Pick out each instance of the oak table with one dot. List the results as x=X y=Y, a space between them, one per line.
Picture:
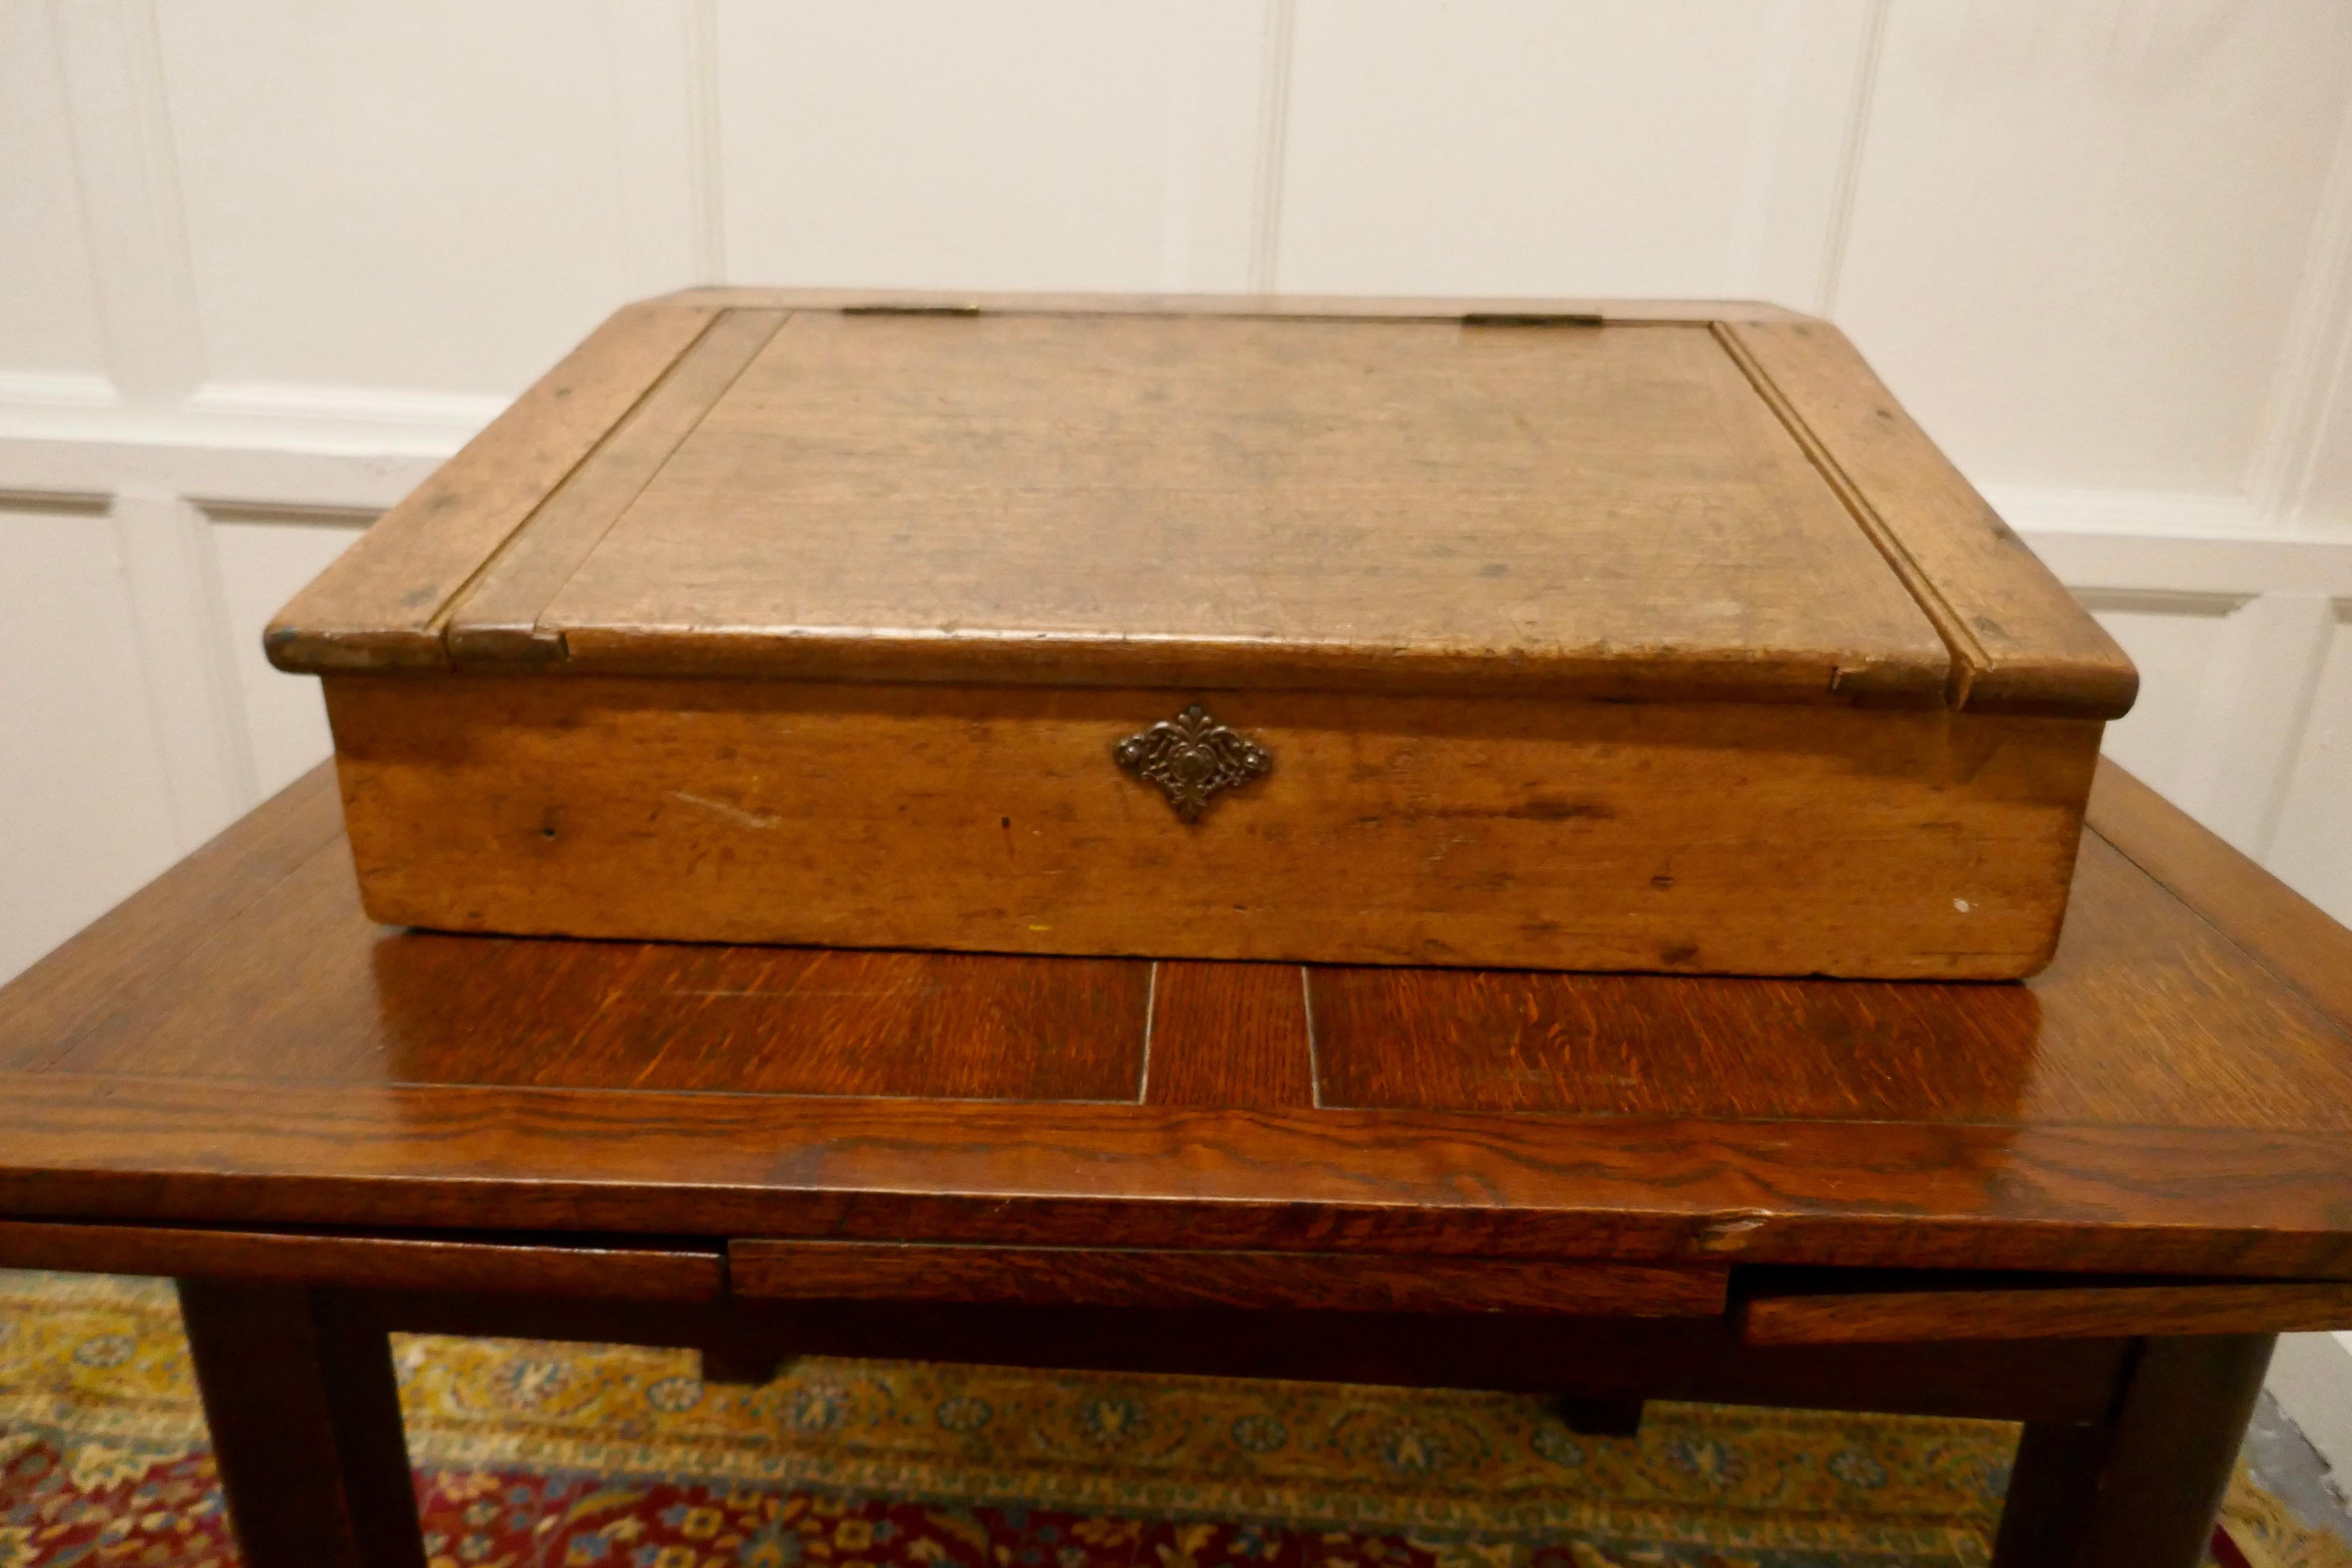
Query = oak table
x=2085 y=1202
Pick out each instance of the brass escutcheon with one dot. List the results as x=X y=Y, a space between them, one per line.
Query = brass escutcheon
x=1193 y=757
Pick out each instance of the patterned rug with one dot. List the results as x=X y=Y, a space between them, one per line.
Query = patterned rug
x=545 y=1455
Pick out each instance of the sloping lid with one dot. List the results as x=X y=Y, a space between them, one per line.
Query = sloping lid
x=1628 y=511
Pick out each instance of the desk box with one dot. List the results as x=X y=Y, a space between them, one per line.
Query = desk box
x=1645 y=636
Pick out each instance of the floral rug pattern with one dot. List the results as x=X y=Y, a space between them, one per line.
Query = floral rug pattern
x=532 y=1454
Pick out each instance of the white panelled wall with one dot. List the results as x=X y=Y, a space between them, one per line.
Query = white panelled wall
x=263 y=261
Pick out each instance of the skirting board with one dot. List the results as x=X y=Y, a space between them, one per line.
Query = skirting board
x=2311 y=1377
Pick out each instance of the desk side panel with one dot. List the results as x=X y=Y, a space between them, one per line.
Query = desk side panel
x=1734 y=838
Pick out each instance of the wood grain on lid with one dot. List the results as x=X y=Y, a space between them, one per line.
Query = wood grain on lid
x=1692 y=502
x=2020 y=643
x=496 y=619
x=1274 y=502
x=381 y=605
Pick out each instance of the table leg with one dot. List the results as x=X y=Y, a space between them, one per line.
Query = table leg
x=2050 y=1489
x=1598 y=1417
x=300 y=1397
x=2142 y=1490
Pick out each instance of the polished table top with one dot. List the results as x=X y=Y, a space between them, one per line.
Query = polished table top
x=239 y=1045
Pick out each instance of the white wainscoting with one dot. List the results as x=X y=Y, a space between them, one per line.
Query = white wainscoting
x=88 y=802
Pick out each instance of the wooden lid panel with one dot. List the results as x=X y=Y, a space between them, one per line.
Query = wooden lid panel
x=383 y=603
x=1693 y=501
x=1269 y=503
x=497 y=621
x=2020 y=643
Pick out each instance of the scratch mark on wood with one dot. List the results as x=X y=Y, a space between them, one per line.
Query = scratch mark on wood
x=732 y=813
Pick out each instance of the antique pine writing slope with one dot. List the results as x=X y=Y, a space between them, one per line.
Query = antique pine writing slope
x=1630 y=636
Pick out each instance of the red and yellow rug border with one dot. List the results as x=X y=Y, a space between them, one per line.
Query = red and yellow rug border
x=526 y=1448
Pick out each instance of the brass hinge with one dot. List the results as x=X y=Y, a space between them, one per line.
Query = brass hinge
x=910 y=310
x=1530 y=319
